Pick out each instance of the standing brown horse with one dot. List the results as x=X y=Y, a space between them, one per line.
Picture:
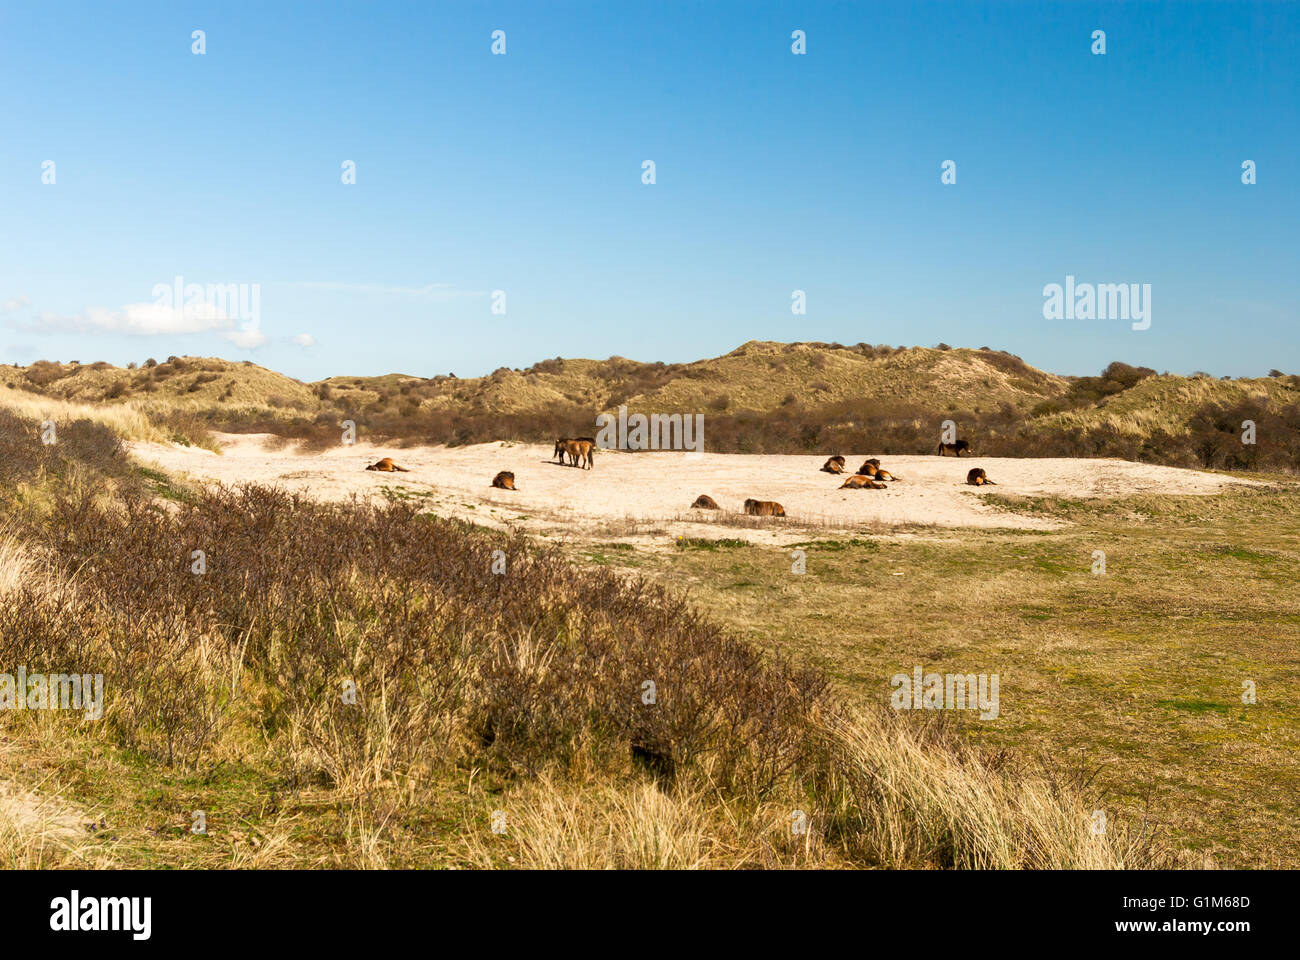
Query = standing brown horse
x=579 y=449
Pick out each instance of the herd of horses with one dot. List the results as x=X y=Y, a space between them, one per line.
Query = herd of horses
x=870 y=476
x=581 y=452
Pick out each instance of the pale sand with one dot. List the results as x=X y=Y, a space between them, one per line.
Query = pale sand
x=648 y=495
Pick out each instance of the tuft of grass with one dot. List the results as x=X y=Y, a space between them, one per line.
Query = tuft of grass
x=699 y=543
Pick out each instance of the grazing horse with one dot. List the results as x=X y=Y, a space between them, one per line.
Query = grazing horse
x=581 y=451
x=387 y=466
x=954 y=448
x=705 y=502
x=764 y=508
x=834 y=465
x=977 y=477
x=505 y=480
x=860 y=481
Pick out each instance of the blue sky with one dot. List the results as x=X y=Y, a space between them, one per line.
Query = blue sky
x=523 y=173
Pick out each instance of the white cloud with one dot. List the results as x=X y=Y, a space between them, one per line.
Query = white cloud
x=303 y=340
x=15 y=303
x=152 y=320
x=141 y=320
x=246 y=338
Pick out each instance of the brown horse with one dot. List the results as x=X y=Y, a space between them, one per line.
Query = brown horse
x=505 y=480
x=860 y=481
x=581 y=451
x=978 y=478
x=869 y=468
x=705 y=502
x=955 y=449
x=387 y=466
x=834 y=465
x=764 y=508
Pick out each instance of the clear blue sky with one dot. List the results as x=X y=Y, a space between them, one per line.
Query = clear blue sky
x=775 y=172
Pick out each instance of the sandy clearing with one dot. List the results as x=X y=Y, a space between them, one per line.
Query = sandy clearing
x=634 y=495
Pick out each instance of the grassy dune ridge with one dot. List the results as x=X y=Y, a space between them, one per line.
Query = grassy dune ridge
x=760 y=398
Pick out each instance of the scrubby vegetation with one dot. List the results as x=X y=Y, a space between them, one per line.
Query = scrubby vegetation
x=1140 y=668
x=760 y=398
x=343 y=669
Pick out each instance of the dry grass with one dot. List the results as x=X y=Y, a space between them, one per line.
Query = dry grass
x=36 y=832
x=893 y=794
x=126 y=420
x=131 y=420
x=554 y=826
x=537 y=679
x=934 y=801
x=227 y=696
x=39 y=829
x=1136 y=675
x=15 y=565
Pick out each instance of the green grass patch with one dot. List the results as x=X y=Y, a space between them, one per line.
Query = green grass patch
x=702 y=543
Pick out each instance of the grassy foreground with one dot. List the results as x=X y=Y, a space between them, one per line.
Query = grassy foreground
x=1136 y=674
x=346 y=685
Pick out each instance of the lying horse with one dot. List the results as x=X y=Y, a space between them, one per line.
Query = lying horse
x=764 y=508
x=978 y=478
x=387 y=466
x=505 y=480
x=860 y=481
x=834 y=465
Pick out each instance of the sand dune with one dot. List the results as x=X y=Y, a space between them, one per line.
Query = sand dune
x=632 y=494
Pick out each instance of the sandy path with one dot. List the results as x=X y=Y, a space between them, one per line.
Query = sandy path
x=631 y=495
